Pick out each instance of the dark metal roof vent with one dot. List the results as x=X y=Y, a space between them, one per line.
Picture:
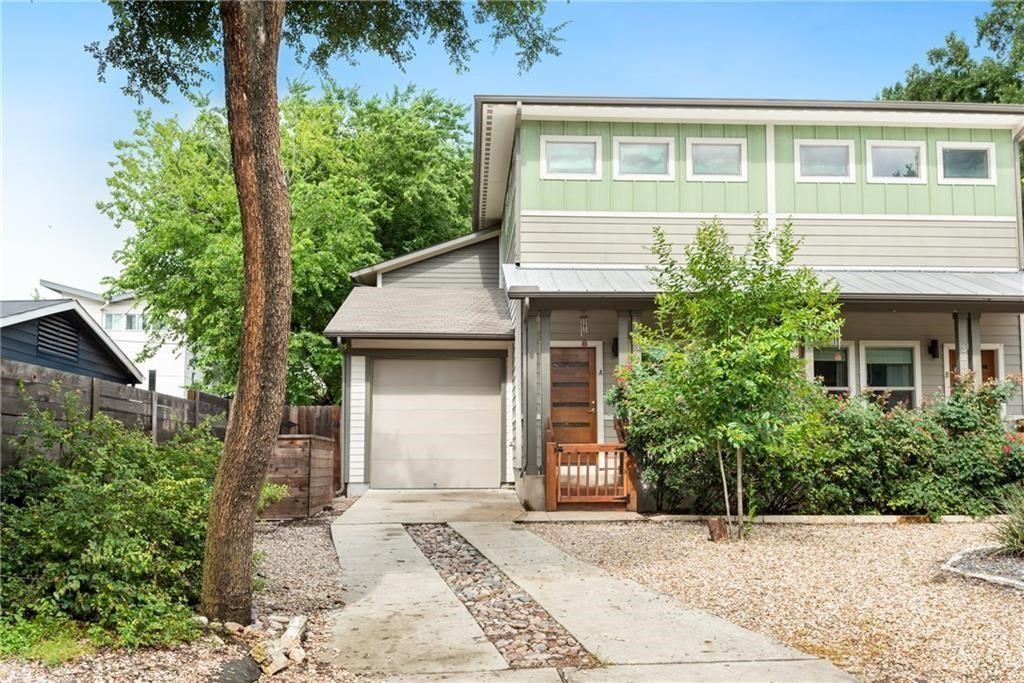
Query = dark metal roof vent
x=58 y=337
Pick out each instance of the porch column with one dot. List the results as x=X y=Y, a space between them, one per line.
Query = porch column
x=544 y=388
x=537 y=388
x=625 y=336
x=967 y=336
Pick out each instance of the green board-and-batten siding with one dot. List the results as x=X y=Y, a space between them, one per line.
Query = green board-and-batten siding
x=606 y=194
x=680 y=195
x=861 y=197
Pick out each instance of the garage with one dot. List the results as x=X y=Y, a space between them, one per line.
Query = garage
x=436 y=423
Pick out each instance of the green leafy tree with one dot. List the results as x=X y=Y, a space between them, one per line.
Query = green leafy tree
x=954 y=75
x=717 y=371
x=367 y=177
x=173 y=45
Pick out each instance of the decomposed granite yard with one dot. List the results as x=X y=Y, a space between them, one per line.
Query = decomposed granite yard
x=870 y=598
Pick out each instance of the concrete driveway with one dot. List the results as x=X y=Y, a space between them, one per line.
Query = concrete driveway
x=401 y=618
x=379 y=506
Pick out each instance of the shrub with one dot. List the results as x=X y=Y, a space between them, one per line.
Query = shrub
x=103 y=528
x=852 y=455
x=1009 y=532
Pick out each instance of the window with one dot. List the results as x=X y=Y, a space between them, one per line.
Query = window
x=967 y=163
x=570 y=157
x=113 y=321
x=833 y=367
x=824 y=161
x=644 y=159
x=135 y=322
x=896 y=161
x=716 y=159
x=893 y=367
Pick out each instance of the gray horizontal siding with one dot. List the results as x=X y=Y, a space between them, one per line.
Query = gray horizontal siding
x=471 y=267
x=996 y=328
x=861 y=242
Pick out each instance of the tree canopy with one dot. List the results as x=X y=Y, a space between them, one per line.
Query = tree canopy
x=369 y=178
x=953 y=74
x=162 y=45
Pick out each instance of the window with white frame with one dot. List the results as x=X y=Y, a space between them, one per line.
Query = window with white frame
x=716 y=159
x=892 y=368
x=833 y=367
x=570 y=157
x=967 y=163
x=135 y=322
x=897 y=161
x=824 y=161
x=113 y=321
x=637 y=158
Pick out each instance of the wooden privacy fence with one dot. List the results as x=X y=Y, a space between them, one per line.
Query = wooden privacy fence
x=303 y=463
x=322 y=421
x=158 y=414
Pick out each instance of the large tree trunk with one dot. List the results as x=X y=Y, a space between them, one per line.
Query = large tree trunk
x=252 y=35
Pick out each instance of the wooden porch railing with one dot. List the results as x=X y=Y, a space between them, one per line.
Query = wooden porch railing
x=594 y=475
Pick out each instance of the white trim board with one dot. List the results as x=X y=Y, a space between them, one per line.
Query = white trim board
x=598 y=380
x=547 y=213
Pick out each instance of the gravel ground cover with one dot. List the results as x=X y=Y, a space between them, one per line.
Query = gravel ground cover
x=989 y=562
x=870 y=598
x=522 y=631
x=299 y=568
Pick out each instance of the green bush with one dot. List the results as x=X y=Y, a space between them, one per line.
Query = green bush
x=103 y=528
x=1009 y=533
x=842 y=456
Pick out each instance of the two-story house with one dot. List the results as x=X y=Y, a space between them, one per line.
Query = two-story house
x=123 y=319
x=459 y=356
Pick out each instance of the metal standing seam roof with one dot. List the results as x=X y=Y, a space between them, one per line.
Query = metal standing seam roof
x=920 y=285
x=422 y=313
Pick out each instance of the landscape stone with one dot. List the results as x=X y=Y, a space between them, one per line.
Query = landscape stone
x=244 y=670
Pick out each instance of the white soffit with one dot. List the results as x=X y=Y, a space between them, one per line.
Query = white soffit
x=747 y=115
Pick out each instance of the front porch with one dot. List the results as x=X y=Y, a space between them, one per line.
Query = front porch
x=570 y=456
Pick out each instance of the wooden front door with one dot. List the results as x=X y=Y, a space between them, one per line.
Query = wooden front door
x=574 y=394
x=988 y=365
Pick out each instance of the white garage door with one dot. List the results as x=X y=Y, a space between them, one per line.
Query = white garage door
x=436 y=423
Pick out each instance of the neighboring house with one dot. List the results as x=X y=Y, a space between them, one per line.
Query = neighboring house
x=457 y=356
x=59 y=334
x=123 y=319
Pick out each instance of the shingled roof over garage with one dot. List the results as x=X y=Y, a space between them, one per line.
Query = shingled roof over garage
x=435 y=313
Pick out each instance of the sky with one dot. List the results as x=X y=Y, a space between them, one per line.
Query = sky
x=58 y=124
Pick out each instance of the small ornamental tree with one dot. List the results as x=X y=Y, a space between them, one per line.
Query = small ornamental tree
x=718 y=370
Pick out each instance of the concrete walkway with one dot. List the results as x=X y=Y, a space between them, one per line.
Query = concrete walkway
x=402 y=619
